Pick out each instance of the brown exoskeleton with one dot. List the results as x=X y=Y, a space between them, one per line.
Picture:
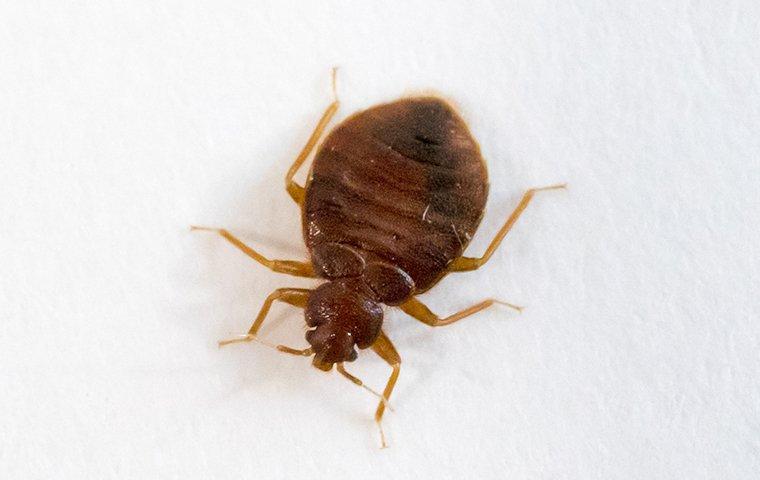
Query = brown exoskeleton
x=394 y=195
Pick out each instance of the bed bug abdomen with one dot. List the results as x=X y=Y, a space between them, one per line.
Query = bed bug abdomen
x=404 y=182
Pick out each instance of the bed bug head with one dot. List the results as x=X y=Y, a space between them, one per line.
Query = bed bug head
x=342 y=315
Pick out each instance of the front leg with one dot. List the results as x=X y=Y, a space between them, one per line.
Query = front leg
x=385 y=349
x=298 y=297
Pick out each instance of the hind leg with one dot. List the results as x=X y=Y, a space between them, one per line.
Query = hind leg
x=464 y=264
x=295 y=190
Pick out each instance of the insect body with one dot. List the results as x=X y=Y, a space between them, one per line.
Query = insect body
x=394 y=196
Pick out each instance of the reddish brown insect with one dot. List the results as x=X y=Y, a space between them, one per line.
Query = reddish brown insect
x=394 y=196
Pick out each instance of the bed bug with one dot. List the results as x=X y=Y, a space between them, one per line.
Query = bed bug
x=393 y=197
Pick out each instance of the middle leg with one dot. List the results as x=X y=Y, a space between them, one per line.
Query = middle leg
x=291 y=267
x=421 y=312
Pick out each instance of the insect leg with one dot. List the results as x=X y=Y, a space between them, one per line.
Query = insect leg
x=419 y=311
x=385 y=349
x=291 y=267
x=295 y=190
x=293 y=296
x=464 y=264
x=356 y=381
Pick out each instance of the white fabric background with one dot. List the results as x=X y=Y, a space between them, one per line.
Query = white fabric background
x=121 y=123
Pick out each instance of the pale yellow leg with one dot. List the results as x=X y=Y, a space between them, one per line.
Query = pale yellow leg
x=295 y=190
x=463 y=264
x=421 y=312
x=356 y=381
x=291 y=267
x=385 y=349
x=298 y=297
